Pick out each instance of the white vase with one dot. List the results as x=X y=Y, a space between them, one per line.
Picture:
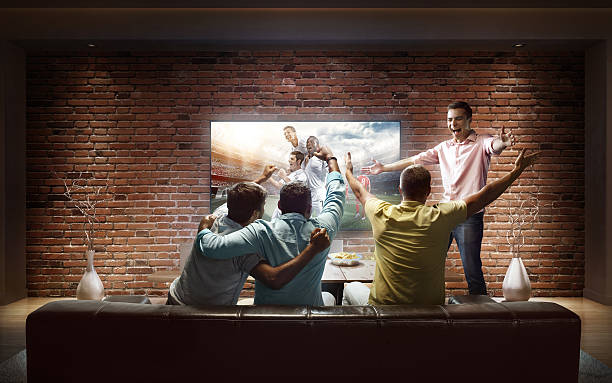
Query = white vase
x=516 y=286
x=90 y=287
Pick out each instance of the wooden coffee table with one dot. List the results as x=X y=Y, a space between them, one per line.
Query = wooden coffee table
x=334 y=277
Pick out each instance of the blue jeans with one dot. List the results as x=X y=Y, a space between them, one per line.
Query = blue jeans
x=469 y=238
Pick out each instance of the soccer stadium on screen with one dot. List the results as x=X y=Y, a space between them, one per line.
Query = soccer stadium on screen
x=241 y=150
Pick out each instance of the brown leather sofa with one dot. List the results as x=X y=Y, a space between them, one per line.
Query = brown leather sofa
x=90 y=341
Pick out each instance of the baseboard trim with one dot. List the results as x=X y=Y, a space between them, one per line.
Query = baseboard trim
x=597 y=297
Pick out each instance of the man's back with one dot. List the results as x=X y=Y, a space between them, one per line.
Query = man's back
x=207 y=281
x=284 y=238
x=411 y=243
x=280 y=241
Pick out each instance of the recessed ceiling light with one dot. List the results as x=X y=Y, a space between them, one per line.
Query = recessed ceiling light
x=91 y=45
x=519 y=45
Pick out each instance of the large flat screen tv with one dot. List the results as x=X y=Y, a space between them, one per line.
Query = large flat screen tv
x=240 y=150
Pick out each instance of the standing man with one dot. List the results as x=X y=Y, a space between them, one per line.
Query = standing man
x=410 y=238
x=284 y=238
x=464 y=163
x=315 y=170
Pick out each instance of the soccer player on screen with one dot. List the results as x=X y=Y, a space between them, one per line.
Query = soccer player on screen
x=297 y=143
x=316 y=171
x=296 y=173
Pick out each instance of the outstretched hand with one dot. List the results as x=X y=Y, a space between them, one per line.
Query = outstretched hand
x=324 y=153
x=507 y=139
x=319 y=239
x=377 y=168
x=206 y=222
x=523 y=161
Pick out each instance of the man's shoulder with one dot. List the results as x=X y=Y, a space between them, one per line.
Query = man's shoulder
x=442 y=146
x=375 y=204
x=225 y=225
x=451 y=207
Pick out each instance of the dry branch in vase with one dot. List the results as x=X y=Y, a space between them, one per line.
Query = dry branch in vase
x=521 y=218
x=86 y=198
x=516 y=285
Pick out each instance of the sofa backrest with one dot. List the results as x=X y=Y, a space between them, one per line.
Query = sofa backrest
x=100 y=341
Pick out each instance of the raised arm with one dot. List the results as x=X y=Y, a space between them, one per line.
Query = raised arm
x=326 y=155
x=360 y=192
x=378 y=167
x=492 y=191
x=276 y=183
x=335 y=195
x=279 y=276
x=502 y=141
x=267 y=173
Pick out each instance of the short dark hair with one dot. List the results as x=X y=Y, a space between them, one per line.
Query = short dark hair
x=294 y=198
x=243 y=199
x=315 y=139
x=289 y=127
x=462 y=105
x=415 y=182
x=298 y=156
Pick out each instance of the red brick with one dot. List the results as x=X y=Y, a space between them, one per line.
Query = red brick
x=109 y=115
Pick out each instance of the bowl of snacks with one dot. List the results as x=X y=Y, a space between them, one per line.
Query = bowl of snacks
x=344 y=258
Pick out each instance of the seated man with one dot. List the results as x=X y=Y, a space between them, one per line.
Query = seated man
x=411 y=238
x=207 y=281
x=283 y=238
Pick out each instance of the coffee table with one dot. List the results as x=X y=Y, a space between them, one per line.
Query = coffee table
x=334 y=277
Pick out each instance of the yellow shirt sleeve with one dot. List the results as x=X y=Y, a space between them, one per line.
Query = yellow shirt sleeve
x=454 y=212
x=374 y=206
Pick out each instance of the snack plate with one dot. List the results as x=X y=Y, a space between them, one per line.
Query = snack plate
x=344 y=262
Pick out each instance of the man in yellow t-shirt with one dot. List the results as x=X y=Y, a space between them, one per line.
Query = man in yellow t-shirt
x=411 y=238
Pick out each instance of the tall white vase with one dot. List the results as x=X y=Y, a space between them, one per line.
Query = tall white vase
x=90 y=287
x=516 y=286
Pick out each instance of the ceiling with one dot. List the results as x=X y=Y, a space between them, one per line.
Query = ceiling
x=348 y=4
x=132 y=24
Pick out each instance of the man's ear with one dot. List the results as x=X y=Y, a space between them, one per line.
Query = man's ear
x=280 y=207
x=253 y=216
x=308 y=211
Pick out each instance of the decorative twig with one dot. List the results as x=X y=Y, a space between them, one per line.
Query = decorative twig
x=90 y=197
x=521 y=218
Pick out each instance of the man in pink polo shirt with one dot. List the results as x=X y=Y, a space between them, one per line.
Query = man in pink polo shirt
x=464 y=161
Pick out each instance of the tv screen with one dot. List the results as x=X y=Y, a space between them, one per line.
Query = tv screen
x=241 y=150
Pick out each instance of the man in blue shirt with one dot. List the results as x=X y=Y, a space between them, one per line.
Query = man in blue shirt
x=284 y=238
x=208 y=281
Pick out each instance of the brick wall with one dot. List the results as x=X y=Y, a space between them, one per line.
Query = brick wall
x=142 y=120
